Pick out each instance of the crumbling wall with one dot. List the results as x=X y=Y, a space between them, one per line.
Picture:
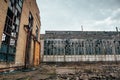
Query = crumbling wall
x=72 y=50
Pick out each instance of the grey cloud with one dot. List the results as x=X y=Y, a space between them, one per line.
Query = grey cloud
x=116 y=15
x=70 y=14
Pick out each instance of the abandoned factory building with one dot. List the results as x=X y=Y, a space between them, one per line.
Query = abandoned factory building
x=68 y=46
x=19 y=33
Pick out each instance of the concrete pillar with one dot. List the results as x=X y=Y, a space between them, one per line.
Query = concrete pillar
x=113 y=50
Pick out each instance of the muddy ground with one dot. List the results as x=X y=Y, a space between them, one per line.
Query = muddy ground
x=66 y=71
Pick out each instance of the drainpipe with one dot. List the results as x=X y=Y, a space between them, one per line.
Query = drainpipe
x=27 y=30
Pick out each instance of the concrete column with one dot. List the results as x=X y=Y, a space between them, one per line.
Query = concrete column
x=64 y=53
x=113 y=50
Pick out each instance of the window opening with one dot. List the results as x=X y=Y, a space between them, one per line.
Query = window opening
x=10 y=33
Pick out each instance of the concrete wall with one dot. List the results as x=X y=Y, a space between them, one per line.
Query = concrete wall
x=42 y=49
x=78 y=58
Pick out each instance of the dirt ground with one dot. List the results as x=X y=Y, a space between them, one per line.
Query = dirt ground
x=66 y=71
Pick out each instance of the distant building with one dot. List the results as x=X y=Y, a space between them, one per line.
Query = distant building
x=19 y=33
x=73 y=46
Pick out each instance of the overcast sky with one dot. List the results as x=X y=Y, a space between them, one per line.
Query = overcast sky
x=94 y=15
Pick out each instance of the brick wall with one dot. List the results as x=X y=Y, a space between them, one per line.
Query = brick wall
x=28 y=6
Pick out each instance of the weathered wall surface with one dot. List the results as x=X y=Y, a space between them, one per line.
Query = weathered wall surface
x=42 y=50
x=73 y=46
x=78 y=58
x=28 y=6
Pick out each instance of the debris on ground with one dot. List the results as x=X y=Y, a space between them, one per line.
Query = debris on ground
x=67 y=71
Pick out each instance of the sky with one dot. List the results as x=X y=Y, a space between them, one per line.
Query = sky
x=70 y=15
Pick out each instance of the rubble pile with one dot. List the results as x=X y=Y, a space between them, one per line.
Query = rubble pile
x=101 y=73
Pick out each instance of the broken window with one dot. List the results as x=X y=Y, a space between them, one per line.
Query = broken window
x=117 y=47
x=10 y=33
x=37 y=30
